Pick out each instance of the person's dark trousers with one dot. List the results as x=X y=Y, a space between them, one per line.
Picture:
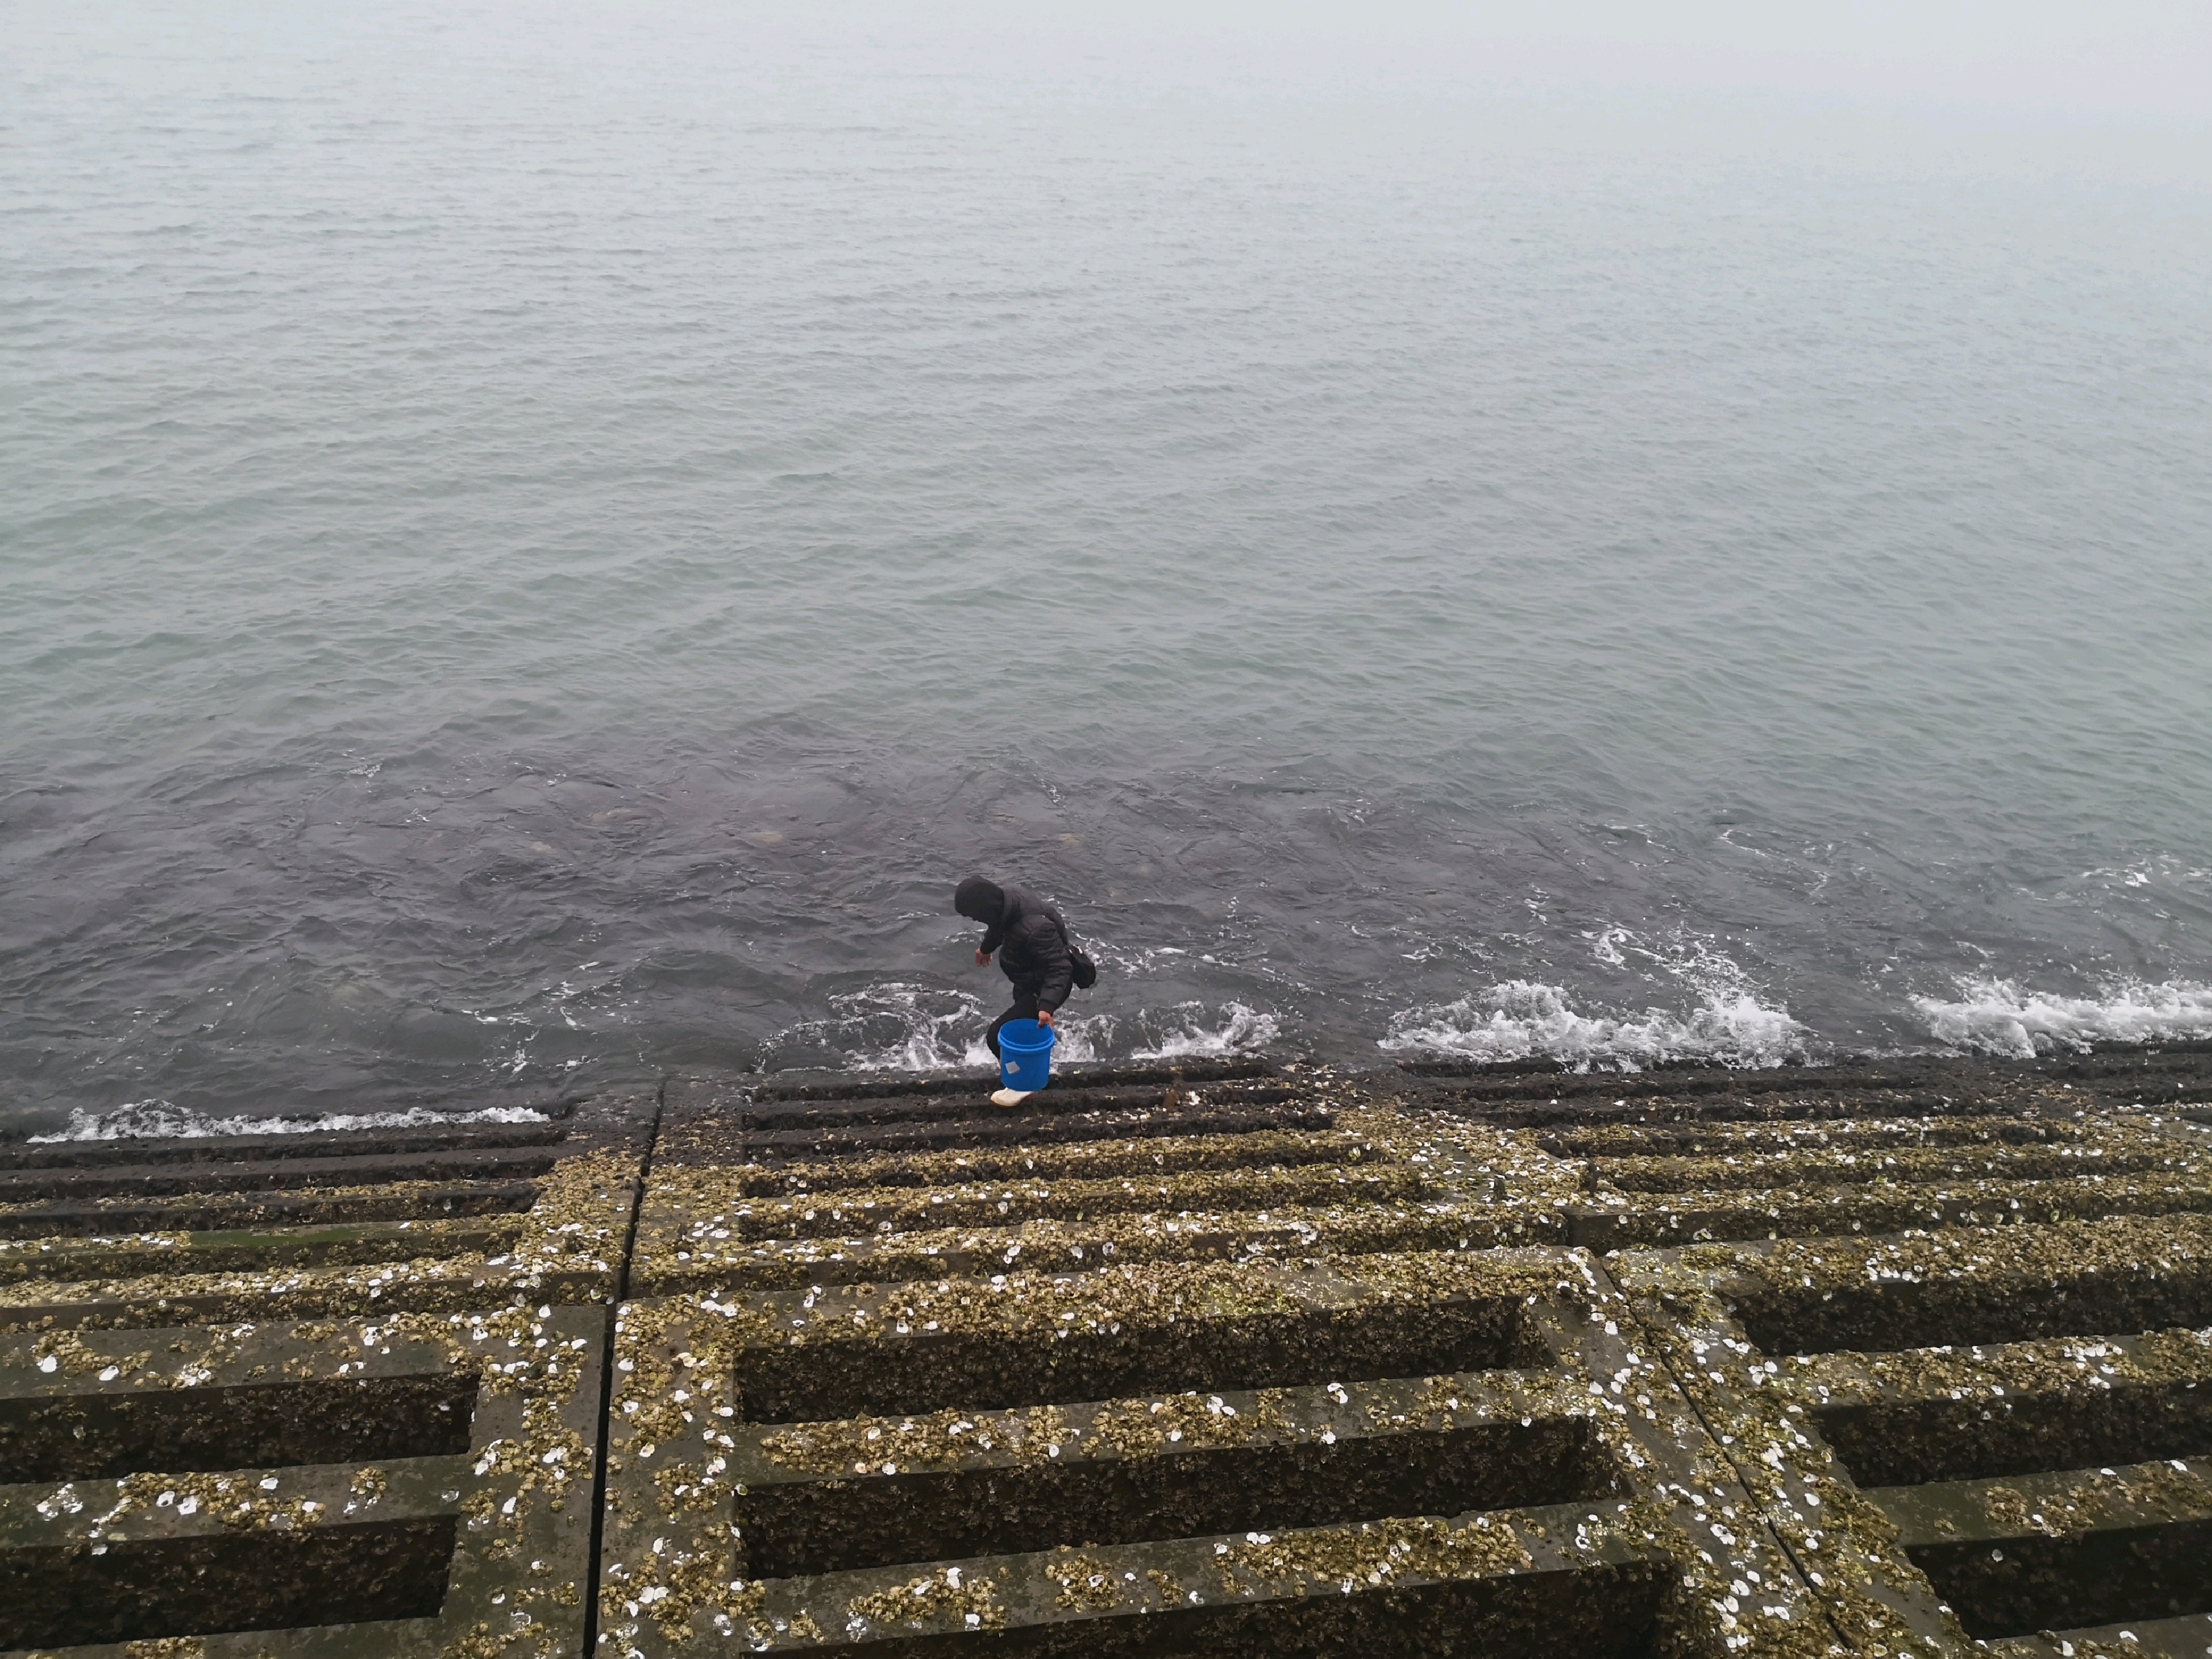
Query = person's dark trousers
x=1025 y=1007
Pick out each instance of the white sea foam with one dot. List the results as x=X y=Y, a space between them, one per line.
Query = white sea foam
x=1523 y=1020
x=152 y=1120
x=1077 y=1037
x=2001 y=1015
x=894 y=1026
x=1190 y=1031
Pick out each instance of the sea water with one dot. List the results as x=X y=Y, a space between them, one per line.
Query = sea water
x=537 y=546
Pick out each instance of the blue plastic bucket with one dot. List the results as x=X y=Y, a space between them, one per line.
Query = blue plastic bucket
x=1025 y=1054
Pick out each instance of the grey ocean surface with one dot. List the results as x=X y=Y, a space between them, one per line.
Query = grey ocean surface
x=535 y=548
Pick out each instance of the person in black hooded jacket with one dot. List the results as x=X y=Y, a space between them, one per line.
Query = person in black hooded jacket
x=1030 y=938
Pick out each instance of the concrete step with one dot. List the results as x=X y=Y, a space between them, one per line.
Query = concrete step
x=2063 y=1550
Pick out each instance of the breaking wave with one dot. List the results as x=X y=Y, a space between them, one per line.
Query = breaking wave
x=152 y=1120
x=2000 y=1017
x=896 y=1026
x=1184 y=1033
x=887 y=1027
x=1523 y=1020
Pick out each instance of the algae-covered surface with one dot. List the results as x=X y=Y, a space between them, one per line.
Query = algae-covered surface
x=684 y=1447
x=449 y=1342
x=569 y=1246
x=1974 y=1311
x=520 y=1495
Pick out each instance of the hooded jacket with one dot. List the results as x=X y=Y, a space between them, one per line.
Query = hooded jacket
x=1030 y=938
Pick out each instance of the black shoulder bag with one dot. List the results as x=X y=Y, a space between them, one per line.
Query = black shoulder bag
x=1081 y=969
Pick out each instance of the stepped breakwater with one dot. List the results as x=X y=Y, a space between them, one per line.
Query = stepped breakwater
x=1251 y=1355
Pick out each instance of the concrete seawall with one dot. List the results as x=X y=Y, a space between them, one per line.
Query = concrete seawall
x=1237 y=1358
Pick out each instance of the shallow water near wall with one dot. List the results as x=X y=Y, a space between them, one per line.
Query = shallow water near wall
x=538 y=551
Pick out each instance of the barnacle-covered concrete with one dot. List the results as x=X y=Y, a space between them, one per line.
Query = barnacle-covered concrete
x=1910 y=1358
x=1965 y=1386
x=424 y=1480
x=568 y=1245
x=343 y=1420
x=1338 y=1384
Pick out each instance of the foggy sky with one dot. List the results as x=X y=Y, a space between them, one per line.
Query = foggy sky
x=2146 y=59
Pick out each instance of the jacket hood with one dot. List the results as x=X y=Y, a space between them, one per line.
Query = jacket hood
x=980 y=900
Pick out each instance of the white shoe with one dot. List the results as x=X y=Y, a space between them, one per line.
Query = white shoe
x=1010 y=1097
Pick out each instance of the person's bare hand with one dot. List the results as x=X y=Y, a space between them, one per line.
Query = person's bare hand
x=1044 y=1015
x=982 y=958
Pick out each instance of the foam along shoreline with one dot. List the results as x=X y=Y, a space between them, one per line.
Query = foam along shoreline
x=895 y=1025
x=1523 y=1020
x=2003 y=1017
x=1731 y=1025
x=1725 y=1020
x=1521 y=1028
x=158 y=1120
